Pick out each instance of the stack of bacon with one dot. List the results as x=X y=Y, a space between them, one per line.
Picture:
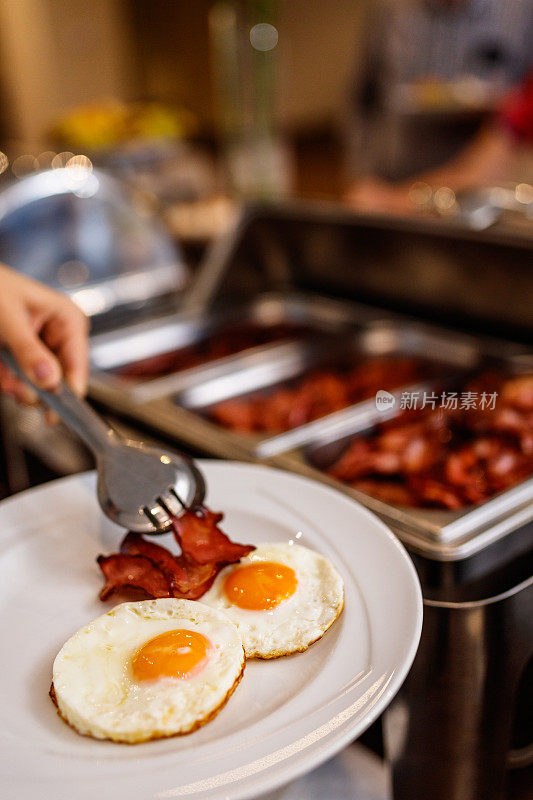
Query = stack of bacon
x=145 y=565
x=319 y=393
x=226 y=342
x=447 y=458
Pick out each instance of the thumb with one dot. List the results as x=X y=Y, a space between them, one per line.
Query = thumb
x=33 y=356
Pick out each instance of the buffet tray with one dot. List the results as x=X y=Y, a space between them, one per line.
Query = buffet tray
x=175 y=404
x=153 y=401
x=175 y=331
x=441 y=534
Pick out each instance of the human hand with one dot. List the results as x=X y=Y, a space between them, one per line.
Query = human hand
x=373 y=195
x=46 y=332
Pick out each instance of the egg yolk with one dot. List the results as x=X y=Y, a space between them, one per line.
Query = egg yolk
x=260 y=586
x=174 y=654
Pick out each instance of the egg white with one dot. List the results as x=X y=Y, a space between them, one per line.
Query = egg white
x=296 y=622
x=98 y=695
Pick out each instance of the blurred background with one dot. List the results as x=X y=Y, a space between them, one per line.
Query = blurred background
x=200 y=105
x=195 y=101
x=383 y=153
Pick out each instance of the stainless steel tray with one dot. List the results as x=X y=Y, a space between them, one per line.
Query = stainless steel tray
x=271 y=368
x=152 y=402
x=127 y=345
x=440 y=534
x=443 y=535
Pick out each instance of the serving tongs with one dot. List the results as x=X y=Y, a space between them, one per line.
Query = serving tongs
x=139 y=487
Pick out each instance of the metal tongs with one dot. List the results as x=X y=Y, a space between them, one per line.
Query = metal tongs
x=139 y=487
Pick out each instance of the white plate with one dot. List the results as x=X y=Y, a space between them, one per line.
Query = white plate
x=286 y=717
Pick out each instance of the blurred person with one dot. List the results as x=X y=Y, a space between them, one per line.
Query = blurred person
x=46 y=332
x=481 y=163
x=428 y=72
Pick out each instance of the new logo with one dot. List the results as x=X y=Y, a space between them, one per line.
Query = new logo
x=384 y=400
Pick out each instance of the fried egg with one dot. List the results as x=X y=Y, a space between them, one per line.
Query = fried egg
x=147 y=669
x=281 y=597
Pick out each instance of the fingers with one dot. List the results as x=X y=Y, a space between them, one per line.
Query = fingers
x=11 y=385
x=24 y=394
x=47 y=334
x=66 y=335
x=74 y=355
x=51 y=417
x=34 y=357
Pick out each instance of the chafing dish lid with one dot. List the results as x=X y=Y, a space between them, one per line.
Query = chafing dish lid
x=80 y=231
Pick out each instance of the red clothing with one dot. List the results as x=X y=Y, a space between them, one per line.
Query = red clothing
x=517 y=111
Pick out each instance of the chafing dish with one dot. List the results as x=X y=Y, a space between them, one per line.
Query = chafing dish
x=303 y=316
x=177 y=404
x=154 y=401
x=443 y=535
x=286 y=365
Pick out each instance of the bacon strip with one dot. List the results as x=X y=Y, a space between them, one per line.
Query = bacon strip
x=186 y=579
x=142 y=564
x=134 y=545
x=195 y=578
x=201 y=539
x=136 y=572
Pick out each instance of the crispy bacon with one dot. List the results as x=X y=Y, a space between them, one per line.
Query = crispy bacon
x=518 y=392
x=185 y=578
x=431 y=492
x=225 y=342
x=318 y=393
x=387 y=491
x=448 y=458
x=194 y=579
x=142 y=564
x=133 y=544
x=201 y=539
x=135 y=572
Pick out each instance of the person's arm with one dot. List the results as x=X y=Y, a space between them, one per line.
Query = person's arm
x=46 y=332
x=482 y=162
x=479 y=164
